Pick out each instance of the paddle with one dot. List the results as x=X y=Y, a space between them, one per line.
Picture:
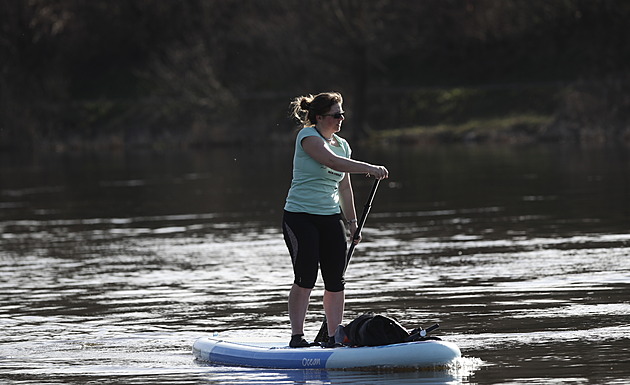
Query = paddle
x=366 y=211
x=322 y=335
x=420 y=334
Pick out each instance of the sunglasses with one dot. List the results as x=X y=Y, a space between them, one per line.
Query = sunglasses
x=337 y=115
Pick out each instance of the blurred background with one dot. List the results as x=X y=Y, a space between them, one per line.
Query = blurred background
x=159 y=74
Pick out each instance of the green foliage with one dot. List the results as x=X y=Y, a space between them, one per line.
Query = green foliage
x=225 y=69
x=514 y=129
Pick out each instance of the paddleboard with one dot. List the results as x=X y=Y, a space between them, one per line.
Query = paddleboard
x=278 y=355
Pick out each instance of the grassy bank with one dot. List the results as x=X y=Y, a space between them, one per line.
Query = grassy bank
x=590 y=113
x=519 y=129
x=595 y=113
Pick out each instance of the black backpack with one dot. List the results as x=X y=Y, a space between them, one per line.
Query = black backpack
x=372 y=329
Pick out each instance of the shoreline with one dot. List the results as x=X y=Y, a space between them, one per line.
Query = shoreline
x=508 y=131
x=581 y=113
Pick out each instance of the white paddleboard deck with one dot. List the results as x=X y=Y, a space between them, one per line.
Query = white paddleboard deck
x=419 y=354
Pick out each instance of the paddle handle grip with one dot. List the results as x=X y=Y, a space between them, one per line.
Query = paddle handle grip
x=428 y=330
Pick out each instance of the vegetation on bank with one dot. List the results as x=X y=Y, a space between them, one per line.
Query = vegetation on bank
x=203 y=73
x=584 y=113
x=523 y=129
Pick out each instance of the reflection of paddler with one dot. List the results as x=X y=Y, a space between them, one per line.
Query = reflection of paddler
x=320 y=192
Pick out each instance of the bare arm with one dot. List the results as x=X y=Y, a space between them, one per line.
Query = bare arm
x=316 y=149
x=347 y=205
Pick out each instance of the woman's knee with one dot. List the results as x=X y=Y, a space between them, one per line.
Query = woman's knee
x=335 y=285
x=305 y=282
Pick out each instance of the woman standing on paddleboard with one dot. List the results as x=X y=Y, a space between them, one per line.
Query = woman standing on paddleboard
x=313 y=224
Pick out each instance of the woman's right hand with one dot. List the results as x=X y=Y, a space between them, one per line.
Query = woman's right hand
x=379 y=172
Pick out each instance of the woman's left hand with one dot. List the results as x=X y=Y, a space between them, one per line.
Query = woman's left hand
x=353 y=229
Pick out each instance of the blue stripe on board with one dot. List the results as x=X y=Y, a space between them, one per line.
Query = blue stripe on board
x=282 y=358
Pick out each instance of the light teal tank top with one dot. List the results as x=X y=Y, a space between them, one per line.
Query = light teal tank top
x=315 y=187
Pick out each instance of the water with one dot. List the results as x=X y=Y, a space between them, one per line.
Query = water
x=111 y=265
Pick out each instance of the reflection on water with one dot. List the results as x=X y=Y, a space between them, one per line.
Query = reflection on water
x=112 y=265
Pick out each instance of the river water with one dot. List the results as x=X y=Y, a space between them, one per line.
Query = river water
x=111 y=265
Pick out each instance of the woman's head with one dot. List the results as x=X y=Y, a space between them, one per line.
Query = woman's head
x=307 y=108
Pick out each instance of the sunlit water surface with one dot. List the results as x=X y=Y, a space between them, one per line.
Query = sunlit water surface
x=112 y=265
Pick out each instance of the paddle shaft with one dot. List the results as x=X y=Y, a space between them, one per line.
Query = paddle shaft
x=366 y=211
x=322 y=335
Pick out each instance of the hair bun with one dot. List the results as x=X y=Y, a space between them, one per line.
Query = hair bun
x=305 y=104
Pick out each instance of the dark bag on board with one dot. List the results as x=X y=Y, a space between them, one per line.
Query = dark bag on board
x=372 y=329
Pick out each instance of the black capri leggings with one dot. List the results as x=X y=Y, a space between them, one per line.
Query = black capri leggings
x=316 y=240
